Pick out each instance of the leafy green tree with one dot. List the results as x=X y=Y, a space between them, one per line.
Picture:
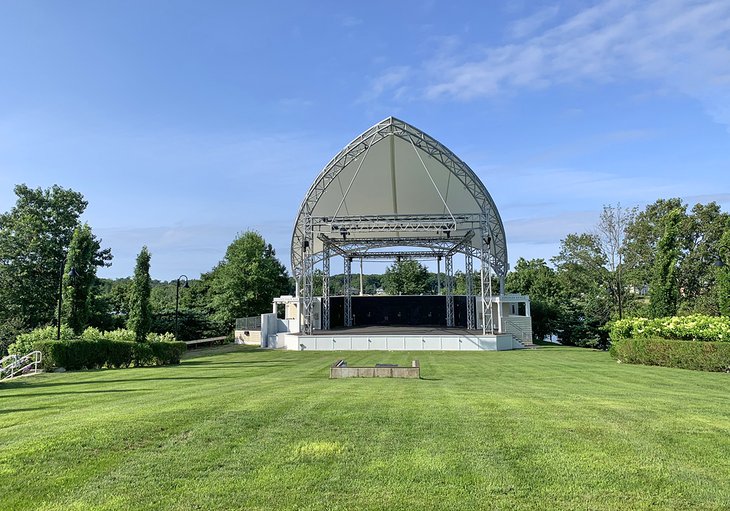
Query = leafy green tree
x=140 y=310
x=84 y=256
x=537 y=280
x=664 y=286
x=700 y=239
x=723 y=272
x=34 y=236
x=246 y=281
x=584 y=283
x=406 y=277
x=642 y=238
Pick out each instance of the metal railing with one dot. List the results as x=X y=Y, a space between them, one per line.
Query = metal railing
x=13 y=365
x=517 y=332
x=252 y=323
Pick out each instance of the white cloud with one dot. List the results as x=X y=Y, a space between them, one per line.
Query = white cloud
x=678 y=45
x=529 y=25
x=390 y=80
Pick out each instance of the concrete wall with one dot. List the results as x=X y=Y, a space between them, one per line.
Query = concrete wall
x=248 y=337
x=375 y=372
x=398 y=342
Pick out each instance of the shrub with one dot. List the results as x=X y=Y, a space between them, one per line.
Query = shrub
x=702 y=356
x=696 y=327
x=120 y=334
x=78 y=354
x=165 y=353
x=142 y=354
x=166 y=337
x=24 y=344
x=94 y=354
x=92 y=334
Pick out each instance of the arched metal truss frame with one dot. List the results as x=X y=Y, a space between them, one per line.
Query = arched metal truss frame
x=486 y=236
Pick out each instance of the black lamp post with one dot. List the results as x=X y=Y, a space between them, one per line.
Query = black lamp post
x=177 y=300
x=73 y=274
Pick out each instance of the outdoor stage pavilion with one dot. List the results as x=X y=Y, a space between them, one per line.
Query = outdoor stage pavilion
x=395 y=193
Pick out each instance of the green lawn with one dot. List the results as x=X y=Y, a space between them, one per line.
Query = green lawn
x=554 y=428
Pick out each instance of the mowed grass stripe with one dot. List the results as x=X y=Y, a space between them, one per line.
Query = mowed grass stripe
x=235 y=428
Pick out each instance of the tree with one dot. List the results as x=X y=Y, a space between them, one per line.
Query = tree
x=664 y=286
x=140 y=310
x=84 y=256
x=406 y=277
x=246 y=281
x=537 y=280
x=34 y=235
x=723 y=272
x=642 y=237
x=584 y=284
x=611 y=230
x=700 y=239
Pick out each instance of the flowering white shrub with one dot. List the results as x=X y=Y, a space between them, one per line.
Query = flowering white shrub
x=696 y=327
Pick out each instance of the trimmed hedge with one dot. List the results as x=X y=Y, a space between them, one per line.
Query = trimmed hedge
x=701 y=356
x=94 y=354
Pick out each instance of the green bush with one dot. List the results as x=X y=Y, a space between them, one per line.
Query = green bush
x=702 y=356
x=165 y=353
x=696 y=327
x=25 y=342
x=165 y=337
x=94 y=354
x=92 y=334
x=120 y=334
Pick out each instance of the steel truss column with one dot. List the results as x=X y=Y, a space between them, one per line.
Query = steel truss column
x=307 y=277
x=326 y=289
x=348 y=291
x=469 y=265
x=486 y=282
x=449 y=266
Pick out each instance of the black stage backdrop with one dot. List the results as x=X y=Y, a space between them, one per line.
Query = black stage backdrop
x=398 y=311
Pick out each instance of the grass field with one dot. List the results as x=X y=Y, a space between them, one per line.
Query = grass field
x=555 y=428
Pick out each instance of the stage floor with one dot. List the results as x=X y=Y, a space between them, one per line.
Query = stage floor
x=396 y=330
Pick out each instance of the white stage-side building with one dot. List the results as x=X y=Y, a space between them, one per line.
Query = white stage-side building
x=395 y=193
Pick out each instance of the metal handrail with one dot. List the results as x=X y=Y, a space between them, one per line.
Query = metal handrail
x=20 y=365
x=519 y=329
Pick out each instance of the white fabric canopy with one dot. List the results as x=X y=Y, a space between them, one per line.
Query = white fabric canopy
x=388 y=180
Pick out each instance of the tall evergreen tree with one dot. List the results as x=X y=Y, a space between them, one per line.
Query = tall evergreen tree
x=723 y=273
x=140 y=310
x=664 y=286
x=84 y=256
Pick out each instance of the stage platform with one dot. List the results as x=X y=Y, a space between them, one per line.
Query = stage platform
x=397 y=338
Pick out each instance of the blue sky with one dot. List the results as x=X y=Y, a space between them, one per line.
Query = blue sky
x=184 y=123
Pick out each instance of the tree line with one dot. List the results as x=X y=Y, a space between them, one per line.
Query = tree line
x=48 y=265
x=661 y=261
